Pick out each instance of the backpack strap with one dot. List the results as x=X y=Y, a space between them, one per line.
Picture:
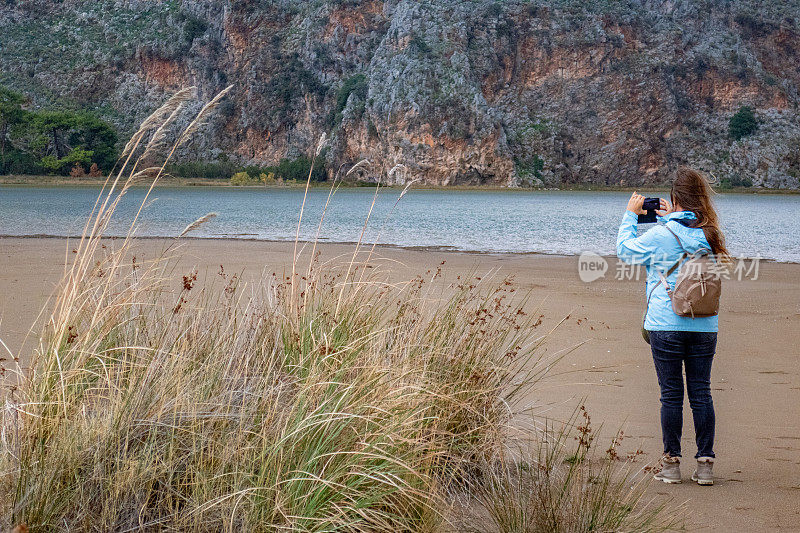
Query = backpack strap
x=676 y=238
x=671 y=269
x=664 y=277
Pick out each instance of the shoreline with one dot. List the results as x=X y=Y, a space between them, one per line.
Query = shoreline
x=413 y=248
x=58 y=181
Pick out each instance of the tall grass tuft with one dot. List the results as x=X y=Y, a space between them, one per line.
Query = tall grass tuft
x=323 y=402
x=557 y=483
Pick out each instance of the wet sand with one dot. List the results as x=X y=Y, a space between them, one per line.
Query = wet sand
x=756 y=375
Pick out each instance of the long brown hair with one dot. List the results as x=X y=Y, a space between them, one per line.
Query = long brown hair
x=692 y=192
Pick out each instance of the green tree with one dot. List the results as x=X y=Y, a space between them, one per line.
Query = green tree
x=241 y=178
x=743 y=123
x=52 y=128
x=93 y=134
x=11 y=114
x=298 y=169
x=64 y=138
x=52 y=140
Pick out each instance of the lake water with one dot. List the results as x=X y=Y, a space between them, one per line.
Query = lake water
x=488 y=221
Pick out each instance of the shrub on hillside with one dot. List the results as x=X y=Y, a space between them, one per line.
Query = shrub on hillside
x=356 y=85
x=529 y=171
x=193 y=28
x=742 y=123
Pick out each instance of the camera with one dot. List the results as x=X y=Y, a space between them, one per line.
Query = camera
x=650 y=205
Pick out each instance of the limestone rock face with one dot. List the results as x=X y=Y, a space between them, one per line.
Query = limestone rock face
x=518 y=92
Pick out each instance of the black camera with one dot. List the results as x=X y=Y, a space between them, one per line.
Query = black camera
x=650 y=205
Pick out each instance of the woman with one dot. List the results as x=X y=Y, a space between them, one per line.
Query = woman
x=678 y=341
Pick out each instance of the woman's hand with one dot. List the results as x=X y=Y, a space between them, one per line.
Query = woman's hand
x=635 y=204
x=665 y=210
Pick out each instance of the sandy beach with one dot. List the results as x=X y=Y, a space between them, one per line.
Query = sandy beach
x=756 y=376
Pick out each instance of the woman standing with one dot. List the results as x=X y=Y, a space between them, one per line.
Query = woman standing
x=690 y=224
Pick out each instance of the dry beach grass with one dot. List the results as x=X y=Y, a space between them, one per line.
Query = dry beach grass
x=330 y=399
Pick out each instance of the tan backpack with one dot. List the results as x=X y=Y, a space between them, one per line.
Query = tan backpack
x=698 y=287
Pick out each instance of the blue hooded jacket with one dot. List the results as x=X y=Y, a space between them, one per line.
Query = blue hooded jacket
x=658 y=250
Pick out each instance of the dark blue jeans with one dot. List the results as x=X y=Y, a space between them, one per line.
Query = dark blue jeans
x=672 y=351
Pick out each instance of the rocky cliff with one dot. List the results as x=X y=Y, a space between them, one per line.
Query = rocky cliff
x=460 y=92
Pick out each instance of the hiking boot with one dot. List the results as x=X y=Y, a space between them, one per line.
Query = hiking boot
x=703 y=474
x=670 y=470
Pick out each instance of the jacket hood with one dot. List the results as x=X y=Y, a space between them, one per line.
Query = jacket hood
x=692 y=239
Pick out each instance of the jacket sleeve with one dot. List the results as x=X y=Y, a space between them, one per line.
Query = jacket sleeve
x=632 y=249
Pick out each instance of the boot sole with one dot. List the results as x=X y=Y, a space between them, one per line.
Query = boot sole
x=668 y=481
x=704 y=482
